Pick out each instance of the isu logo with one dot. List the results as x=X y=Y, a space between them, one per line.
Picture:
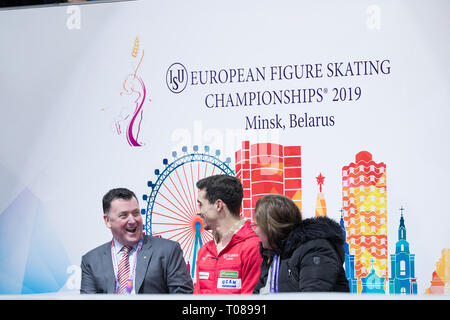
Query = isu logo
x=176 y=77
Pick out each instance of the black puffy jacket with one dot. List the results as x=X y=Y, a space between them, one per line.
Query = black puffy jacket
x=311 y=259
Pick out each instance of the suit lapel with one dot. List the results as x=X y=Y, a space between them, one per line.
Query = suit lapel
x=109 y=277
x=143 y=259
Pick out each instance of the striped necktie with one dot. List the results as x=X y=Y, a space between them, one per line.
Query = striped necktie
x=124 y=270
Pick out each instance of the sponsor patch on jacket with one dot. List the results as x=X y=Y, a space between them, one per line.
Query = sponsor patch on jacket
x=230 y=256
x=228 y=283
x=203 y=275
x=229 y=274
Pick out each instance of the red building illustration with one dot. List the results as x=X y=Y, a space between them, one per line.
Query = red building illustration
x=266 y=168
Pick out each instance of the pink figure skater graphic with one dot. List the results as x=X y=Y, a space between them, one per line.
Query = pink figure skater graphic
x=133 y=84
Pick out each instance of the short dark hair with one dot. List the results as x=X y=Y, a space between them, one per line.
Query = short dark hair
x=224 y=187
x=117 y=193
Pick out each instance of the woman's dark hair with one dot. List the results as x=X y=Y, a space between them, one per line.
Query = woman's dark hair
x=277 y=215
x=224 y=187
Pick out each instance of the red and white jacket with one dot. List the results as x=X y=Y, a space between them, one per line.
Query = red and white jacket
x=235 y=269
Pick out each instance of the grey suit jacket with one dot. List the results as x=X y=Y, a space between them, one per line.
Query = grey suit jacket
x=160 y=268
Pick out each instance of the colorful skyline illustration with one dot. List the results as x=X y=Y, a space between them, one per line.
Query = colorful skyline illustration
x=273 y=168
x=266 y=168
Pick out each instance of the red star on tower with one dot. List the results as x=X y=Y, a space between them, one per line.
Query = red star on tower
x=320 y=180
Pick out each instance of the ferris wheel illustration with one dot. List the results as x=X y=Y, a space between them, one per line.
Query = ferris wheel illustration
x=171 y=210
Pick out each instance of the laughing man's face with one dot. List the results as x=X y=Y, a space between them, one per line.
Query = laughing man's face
x=125 y=221
x=207 y=211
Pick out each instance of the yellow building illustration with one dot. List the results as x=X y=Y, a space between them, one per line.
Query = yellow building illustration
x=365 y=217
x=440 y=282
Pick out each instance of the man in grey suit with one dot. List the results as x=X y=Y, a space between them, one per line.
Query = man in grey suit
x=132 y=262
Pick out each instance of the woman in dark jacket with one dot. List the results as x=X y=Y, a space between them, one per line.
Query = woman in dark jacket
x=298 y=255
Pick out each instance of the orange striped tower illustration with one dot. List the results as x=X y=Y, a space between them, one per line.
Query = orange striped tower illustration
x=266 y=168
x=365 y=217
x=321 y=206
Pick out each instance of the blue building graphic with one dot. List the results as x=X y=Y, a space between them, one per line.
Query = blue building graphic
x=403 y=279
x=349 y=263
x=373 y=283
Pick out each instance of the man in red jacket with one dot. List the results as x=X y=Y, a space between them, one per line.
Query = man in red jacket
x=231 y=262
